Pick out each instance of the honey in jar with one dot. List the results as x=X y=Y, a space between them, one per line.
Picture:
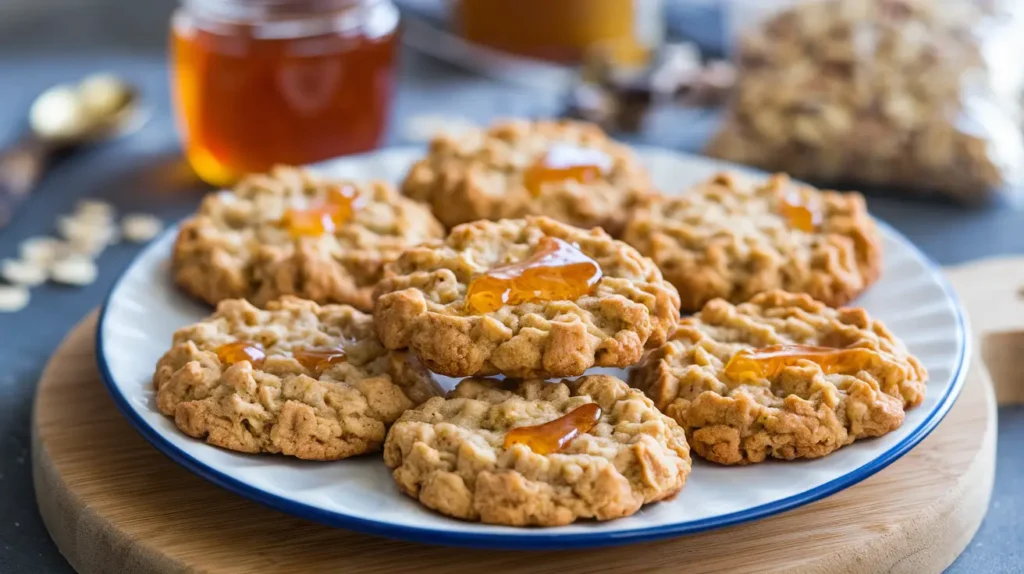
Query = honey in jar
x=555 y=435
x=555 y=271
x=565 y=30
x=768 y=362
x=262 y=82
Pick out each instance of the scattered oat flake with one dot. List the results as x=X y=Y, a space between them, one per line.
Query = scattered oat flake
x=95 y=208
x=13 y=298
x=85 y=236
x=74 y=226
x=41 y=250
x=93 y=219
x=140 y=227
x=21 y=272
x=90 y=247
x=74 y=270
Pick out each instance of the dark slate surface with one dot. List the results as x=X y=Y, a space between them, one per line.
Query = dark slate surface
x=146 y=173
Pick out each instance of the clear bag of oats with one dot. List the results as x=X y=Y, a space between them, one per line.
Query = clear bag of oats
x=920 y=95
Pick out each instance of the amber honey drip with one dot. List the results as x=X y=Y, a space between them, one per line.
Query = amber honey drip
x=555 y=435
x=768 y=362
x=342 y=202
x=319 y=359
x=800 y=212
x=238 y=351
x=247 y=102
x=565 y=163
x=556 y=271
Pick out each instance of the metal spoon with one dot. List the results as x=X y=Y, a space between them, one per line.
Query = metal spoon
x=100 y=108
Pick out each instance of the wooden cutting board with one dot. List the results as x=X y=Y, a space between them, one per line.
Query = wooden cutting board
x=114 y=504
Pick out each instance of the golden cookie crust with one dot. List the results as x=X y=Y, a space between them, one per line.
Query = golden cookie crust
x=478 y=174
x=234 y=246
x=725 y=238
x=280 y=406
x=449 y=453
x=421 y=305
x=802 y=413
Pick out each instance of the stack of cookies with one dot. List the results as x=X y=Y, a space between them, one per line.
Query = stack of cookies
x=517 y=258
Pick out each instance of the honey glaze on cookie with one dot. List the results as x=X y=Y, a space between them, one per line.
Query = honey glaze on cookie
x=342 y=202
x=564 y=162
x=555 y=435
x=768 y=362
x=238 y=351
x=556 y=271
x=319 y=359
x=801 y=212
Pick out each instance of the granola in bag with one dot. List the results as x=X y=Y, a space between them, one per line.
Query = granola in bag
x=909 y=94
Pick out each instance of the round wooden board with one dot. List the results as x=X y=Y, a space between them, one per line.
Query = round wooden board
x=114 y=504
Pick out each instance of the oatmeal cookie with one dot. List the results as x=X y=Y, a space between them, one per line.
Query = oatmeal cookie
x=237 y=245
x=800 y=411
x=729 y=238
x=450 y=454
x=327 y=408
x=483 y=174
x=422 y=305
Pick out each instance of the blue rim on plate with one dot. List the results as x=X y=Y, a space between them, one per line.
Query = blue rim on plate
x=548 y=539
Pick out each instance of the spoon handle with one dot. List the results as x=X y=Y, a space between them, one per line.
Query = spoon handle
x=21 y=166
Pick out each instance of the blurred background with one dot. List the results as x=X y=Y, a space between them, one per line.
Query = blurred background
x=56 y=25
x=917 y=102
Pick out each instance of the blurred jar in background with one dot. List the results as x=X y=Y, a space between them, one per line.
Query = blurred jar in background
x=260 y=82
x=565 y=30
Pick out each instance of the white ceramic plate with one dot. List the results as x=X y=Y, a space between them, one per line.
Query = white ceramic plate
x=144 y=309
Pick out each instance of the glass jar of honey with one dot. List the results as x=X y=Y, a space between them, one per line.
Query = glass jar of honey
x=261 y=82
x=565 y=30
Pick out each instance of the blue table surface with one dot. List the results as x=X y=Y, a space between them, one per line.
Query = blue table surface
x=146 y=173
